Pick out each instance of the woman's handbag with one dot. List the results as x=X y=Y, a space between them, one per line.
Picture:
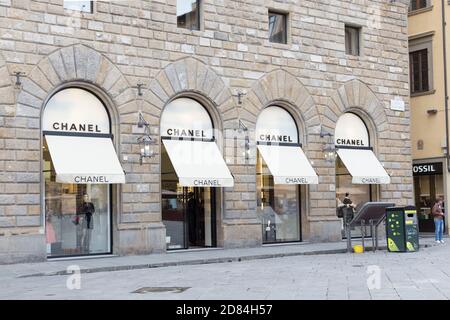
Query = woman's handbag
x=76 y=220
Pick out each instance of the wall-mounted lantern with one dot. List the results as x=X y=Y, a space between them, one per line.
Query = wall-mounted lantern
x=243 y=128
x=329 y=149
x=145 y=141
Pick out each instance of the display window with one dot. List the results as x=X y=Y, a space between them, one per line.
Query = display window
x=79 y=168
x=192 y=169
x=428 y=187
x=278 y=207
x=281 y=167
x=358 y=170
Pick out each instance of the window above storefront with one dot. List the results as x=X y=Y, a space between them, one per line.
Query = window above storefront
x=188 y=14
x=352 y=40
x=278 y=27
x=79 y=5
x=418 y=5
x=421 y=65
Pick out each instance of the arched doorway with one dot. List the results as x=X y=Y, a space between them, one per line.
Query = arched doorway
x=80 y=165
x=358 y=171
x=192 y=169
x=280 y=168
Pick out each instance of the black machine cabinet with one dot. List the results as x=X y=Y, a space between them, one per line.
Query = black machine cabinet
x=402 y=229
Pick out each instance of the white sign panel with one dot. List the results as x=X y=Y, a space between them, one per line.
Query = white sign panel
x=186 y=118
x=351 y=132
x=398 y=105
x=75 y=110
x=276 y=125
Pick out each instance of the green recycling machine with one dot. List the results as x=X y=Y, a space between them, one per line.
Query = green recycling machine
x=402 y=229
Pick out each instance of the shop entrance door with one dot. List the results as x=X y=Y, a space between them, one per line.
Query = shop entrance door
x=188 y=213
x=189 y=216
x=199 y=217
x=427 y=188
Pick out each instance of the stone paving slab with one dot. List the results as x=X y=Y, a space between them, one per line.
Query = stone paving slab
x=322 y=276
x=179 y=258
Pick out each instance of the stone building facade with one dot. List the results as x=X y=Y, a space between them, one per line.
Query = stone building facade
x=125 y=43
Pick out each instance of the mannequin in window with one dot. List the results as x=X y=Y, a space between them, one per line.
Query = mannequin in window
x=192 y=218
x=86 y=223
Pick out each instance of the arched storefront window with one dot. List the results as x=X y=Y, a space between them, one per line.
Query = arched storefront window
x=192 y=168
x=358 y=171
x=79 y=166
x=280 y=168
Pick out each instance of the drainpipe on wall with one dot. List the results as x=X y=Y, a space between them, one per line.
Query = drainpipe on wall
x=444 y=44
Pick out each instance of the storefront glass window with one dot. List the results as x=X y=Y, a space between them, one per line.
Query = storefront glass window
x=187 y=212
x=77 y=216
x=428 y=187
x=358 y=194
x=278 y=207
x=71 y=227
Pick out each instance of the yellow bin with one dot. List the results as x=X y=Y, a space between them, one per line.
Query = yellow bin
x=358 y=249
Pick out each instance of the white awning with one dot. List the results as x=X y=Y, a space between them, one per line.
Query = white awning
x=364 y=166
x=198 y=163
x=89 y=160
x=288 y=164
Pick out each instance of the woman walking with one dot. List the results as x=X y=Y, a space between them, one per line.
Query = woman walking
x=438 y=215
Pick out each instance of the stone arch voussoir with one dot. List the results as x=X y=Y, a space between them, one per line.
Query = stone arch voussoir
x=73 y=64
x=356 y=96
x=6 y=89
x=281 y=86
x=186 y=77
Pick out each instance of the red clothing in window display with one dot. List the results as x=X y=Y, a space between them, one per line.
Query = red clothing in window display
x=50 y=235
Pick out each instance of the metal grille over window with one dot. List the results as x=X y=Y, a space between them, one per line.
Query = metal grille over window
x=277 y=27
x=188 y=14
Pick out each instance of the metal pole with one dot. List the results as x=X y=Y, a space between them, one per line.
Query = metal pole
x=372 y=235
x=444 y=53
x=376 y=237
x=363 y=228
x=348 y=231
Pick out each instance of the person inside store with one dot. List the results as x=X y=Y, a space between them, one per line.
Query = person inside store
x=85 y=224
x=339 y=211
x=349 y=207
x=347 y=201
x=438 y=215
x=192 y=218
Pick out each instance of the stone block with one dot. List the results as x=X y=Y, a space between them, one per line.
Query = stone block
x=141 y=240
x=22 y=248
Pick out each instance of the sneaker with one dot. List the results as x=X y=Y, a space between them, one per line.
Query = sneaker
x=442 y=241
x=437 y=241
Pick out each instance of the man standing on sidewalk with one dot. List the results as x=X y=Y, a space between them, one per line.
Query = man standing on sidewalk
x=438 y=215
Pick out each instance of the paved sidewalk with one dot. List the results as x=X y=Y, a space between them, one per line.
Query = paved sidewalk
x=179 y=258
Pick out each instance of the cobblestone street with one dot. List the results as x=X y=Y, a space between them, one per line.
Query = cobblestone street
x=421 y=275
